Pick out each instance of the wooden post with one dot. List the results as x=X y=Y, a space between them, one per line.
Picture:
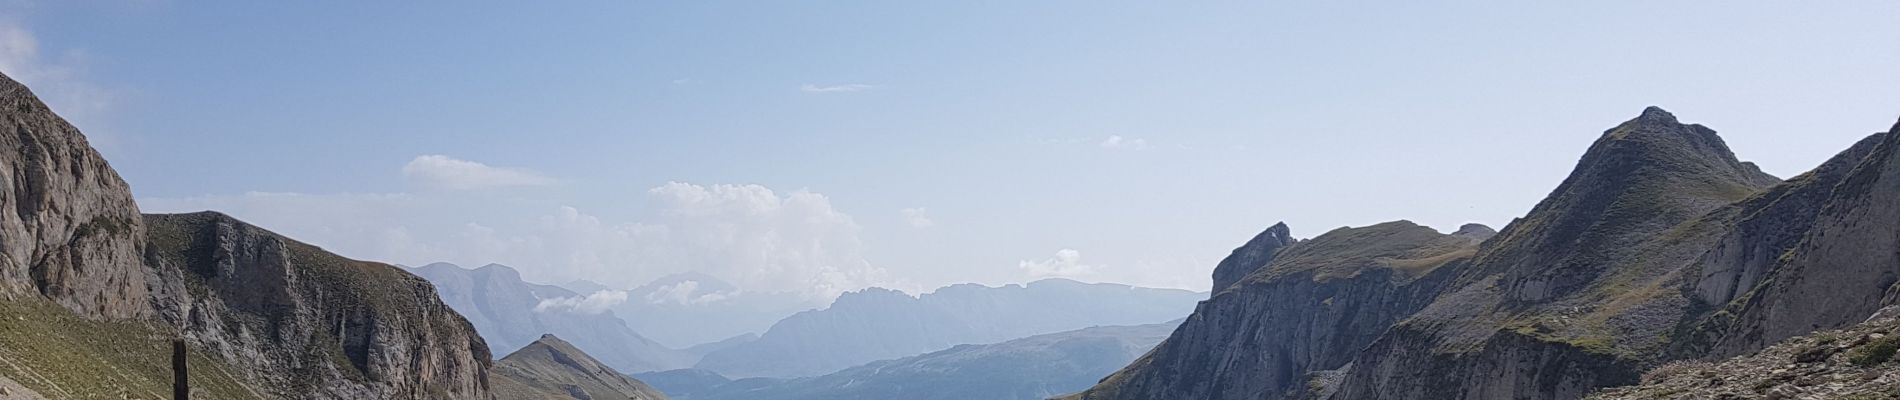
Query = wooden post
x=181 y=388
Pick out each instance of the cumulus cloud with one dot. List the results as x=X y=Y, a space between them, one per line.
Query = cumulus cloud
x=846 y=87
x=768 y=241
x=56 y=78
x=1067 y=263
x=915 y=218
x=595 y=303
x=447 y=173
x=684 y=293
x=1119 y=142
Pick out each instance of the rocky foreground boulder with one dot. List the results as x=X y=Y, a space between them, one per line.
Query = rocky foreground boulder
x=1856 y=363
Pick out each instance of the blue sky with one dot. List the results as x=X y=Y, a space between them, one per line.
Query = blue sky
x=825 y=146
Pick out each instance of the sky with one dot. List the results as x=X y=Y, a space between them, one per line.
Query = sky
x=818 y=147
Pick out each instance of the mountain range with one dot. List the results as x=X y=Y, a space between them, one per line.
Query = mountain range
x=1661 y=267
x=690 y=309
x=879 y=324
x=510 y=313
x=1031 y=368
x=1660 y=248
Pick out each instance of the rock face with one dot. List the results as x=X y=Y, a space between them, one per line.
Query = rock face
x=1304 y=312
x=510 y=314
x=1660 y=246
x=1031 y=368
x=1843 y=270
x=1852 y=363
x=1576 y=294
x=551 y=368
x=265 y=316
x=880 y=324
x=300 y=322
x=1251 y=256
x=69 y=230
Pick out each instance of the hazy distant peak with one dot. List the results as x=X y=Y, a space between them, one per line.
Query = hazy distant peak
x=584 y=286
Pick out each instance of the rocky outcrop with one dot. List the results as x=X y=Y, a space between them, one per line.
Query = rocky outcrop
x=265 y=315
x=551 y=368
x=1842 y=270
x=69 y=230
x=1475 y=232
x=1251 y=256
x=300 y=322
x=1769 y=226
x=1853 y=363
x=1308 y=311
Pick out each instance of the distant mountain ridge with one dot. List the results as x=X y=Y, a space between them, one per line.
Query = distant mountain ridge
x=877 y=324
x=690 y=309
x=1031 y=368
x=510 y=313
x=551 y=368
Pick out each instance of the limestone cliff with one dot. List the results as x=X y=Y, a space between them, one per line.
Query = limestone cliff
x=68 y=228
x=304 y=323
x=1302 y=312
x=91 y=293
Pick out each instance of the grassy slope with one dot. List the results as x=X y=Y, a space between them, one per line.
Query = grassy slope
x=46 y=348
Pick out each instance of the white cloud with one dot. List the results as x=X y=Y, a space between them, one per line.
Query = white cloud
x=846 y=87
x=915 y=218
x=684 y=293
x=1119 y=142
x=1067 y=263
x=595 y=303
x=794 y=241
x=56 y=79
x=447 y=173
x=767 y=241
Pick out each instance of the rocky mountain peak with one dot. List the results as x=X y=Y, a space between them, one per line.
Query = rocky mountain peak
x=1642 y=176
x=69 y=230
x=1657 y=114
x=1253 y=255
x=1475 y=231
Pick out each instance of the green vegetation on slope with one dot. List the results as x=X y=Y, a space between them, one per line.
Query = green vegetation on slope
x=46 y=348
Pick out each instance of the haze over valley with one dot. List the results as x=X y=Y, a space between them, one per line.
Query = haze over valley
x=1059 y=200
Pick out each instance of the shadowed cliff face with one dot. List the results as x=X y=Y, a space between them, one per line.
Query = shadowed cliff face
x=68 y=228
x=303 y=323
x=1251 y=257
x=1303 y=312
x=1843 y=270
